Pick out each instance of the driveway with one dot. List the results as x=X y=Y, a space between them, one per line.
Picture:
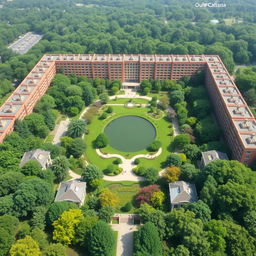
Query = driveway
x=61 y=131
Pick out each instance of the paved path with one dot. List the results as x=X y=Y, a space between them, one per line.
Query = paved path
x=127 y=166
x=61 y=130
x=125 y=230
x=73 y=175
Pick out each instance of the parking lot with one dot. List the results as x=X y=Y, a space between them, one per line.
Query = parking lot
x=24 y=43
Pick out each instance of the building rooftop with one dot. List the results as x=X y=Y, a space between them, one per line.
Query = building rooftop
x=72 y=191
x=39 y=155
x=10 y=109
x=212 y=155
x=182 y=192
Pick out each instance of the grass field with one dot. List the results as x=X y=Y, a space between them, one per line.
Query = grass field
x=126 y=191
x=125 y=100
x=97 y=126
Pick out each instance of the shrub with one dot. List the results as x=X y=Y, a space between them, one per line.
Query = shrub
x=145 y=194
x=103 y=116
x=151 y=175
x=112 y=170
x=109 y=109
x=127 y=207
x=137 y=161
x=140 y=171
x=117 y=161
x=154 y=146
x=101 y=141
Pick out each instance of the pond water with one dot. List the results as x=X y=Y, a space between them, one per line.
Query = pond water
x=130 y=133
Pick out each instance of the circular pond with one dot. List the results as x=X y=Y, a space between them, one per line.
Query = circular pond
x=130 y=133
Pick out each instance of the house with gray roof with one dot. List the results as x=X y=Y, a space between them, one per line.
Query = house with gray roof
x=212 y=155
x=41 y=156
x=182 y=192
x=71 y=191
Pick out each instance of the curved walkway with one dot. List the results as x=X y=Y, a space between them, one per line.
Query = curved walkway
x=127 y=166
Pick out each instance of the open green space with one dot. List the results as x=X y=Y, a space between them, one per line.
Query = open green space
x=126 y=191
x=97 y=126
x=125 y=100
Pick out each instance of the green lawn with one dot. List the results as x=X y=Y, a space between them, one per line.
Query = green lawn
x=97 y=126
x=125 y=100
x=126 y=191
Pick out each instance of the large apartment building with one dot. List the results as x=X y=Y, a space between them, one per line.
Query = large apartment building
x=232 y=112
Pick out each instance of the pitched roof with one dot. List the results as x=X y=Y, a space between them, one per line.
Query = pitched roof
x=182 y=192
x=73 y=190
x=39 y=155
x=209 y=156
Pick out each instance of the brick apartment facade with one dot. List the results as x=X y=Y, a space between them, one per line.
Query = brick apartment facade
x=232 y=112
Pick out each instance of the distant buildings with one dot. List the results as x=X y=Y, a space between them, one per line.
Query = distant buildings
x=72 y=191
x=182 y=192
x=232 y=112
x=212 y=155
x=41 y=156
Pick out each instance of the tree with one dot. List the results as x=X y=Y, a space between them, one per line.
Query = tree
x=145 y=194
x=55 y=250
x=189 y=173
x=56 y=209
x=172 y=174
x=192 y=151
x=40 y=237
x=60 y=167
x=9 y=182
x=183 y=227
x=30 y=194
x=164 y=102
x=106 y=213
x=238 y=240
x=104 y=98
x=8 y=161
x=173 y=160
x=151 y=175
x=201 y=108
x=83 y=230
x=76 y=128
x=176 y=96
x=31 y=168
x=77 y=148
x=6 y=205
x=181 y=140
x=207 y=130
x=46 y=103
x=36 y=125
x=154 y=146
x=147 y=241
x=157 y=199
x=6 y=240
x=38 y=218
x=108 y=198
x=26 y=246
x=101 y=240
x=88 y=95
x=91 y=173
x=101 y=141
x=65 y=225
x=200 y=209
x=250 y=222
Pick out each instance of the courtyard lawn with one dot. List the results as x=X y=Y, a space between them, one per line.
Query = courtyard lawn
x=97 y=126
x=125 y=100
x=126 y=191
